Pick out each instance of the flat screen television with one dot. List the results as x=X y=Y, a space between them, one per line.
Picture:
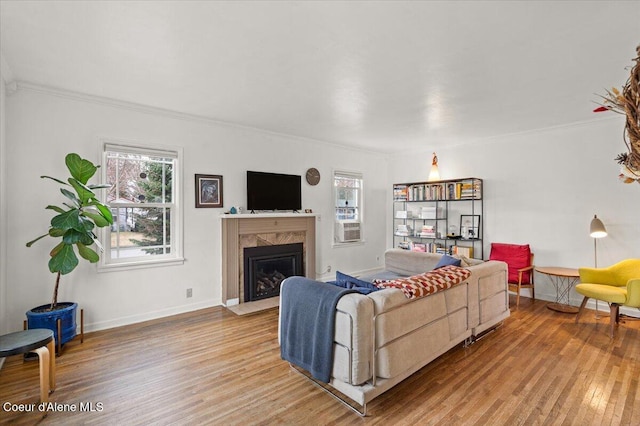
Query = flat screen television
x=273 y=191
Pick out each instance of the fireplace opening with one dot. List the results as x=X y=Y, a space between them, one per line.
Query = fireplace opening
x=265 y=268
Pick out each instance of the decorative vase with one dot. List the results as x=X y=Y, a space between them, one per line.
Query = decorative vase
x=41 y=317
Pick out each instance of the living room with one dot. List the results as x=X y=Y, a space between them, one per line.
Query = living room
x=547 y=169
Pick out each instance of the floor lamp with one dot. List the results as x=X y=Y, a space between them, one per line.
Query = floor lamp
x=596 y=231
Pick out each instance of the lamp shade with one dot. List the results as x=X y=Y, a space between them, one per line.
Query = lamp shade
x=597 y=229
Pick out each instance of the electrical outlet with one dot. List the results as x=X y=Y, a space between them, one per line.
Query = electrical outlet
x=189 y=292
x=329 y=268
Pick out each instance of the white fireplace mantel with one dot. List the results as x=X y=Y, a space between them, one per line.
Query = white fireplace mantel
x=251 y=230
x=262 y=215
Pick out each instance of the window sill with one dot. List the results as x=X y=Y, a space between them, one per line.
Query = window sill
x=140 y=264
x=348 y=244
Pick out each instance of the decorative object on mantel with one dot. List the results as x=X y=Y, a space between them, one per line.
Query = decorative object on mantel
x=627 y=103
x=434 y=174
x=208 y=191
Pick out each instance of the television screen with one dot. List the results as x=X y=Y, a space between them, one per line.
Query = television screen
x=273 y=191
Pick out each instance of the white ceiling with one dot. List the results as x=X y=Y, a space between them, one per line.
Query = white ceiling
x=378 y=75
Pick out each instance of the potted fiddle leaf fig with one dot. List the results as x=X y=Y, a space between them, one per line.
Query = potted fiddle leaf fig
x=73 y=228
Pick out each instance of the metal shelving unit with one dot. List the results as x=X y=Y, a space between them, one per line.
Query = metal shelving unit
x=441 y=216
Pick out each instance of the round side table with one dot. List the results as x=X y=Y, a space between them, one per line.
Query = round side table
x=562 y=279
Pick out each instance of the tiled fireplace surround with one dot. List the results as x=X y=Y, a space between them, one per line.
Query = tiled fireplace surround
x=256 y=230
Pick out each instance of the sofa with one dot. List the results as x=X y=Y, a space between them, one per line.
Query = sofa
x=383 y=337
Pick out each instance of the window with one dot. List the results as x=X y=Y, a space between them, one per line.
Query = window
x=144 y=202
x=347 y=188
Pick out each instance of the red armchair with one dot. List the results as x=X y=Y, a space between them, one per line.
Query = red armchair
x=519 y=260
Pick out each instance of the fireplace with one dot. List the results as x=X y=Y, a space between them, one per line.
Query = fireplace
x=266 y=266
x=240 y=231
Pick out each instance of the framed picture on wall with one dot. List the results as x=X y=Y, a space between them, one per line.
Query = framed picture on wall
x=208 y=191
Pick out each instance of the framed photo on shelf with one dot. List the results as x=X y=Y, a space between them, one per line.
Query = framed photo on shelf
x=470 y=226
x=208 y=191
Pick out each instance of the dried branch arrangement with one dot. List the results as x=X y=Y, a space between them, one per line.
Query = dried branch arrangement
x=627 y=103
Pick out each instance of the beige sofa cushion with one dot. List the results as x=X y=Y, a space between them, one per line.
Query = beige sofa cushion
x=405 y=262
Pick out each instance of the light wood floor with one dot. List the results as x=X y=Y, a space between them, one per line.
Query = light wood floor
x=213 y=367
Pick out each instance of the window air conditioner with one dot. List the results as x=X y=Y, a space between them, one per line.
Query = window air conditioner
x=347 y=231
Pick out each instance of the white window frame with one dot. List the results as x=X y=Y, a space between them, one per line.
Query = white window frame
x=360 y=207
x=175 y=256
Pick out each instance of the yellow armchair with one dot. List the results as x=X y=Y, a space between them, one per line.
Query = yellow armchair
x=618 y=285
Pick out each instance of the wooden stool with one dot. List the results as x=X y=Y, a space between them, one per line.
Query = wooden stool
x=40 y=341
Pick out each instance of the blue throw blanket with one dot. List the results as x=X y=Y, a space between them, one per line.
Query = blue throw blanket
x=307 y=322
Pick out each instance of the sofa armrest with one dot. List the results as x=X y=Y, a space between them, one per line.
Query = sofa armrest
x=353 y=339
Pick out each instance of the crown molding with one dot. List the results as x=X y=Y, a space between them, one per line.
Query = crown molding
x=101 y=100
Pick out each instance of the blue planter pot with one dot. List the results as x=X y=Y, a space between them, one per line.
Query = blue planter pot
x=40 y=317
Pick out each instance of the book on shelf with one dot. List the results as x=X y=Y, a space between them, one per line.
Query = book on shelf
x=466 y=189
x=423 y=247
x=462 y=251
x=427 y=231
x=404 y=230
x=436 y=248
x=454 y=191
x=405 y=245
x=400 y=193
x=471 y=190
x=426 y=192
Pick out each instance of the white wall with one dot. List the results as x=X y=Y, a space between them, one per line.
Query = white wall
x=4 y=328
x=42 y=127
x=543 y=188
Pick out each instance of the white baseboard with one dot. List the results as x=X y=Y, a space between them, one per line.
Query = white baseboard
x=232 y=302
x=133 y=319
x=591 y=304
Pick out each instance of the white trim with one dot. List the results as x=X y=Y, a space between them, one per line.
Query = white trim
x=262 y=215
x=101 y=100
x=147 y=316
x=336 y=244
x=4 y=76
x=360 y=207
x=139 y=264
x=133 y=148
